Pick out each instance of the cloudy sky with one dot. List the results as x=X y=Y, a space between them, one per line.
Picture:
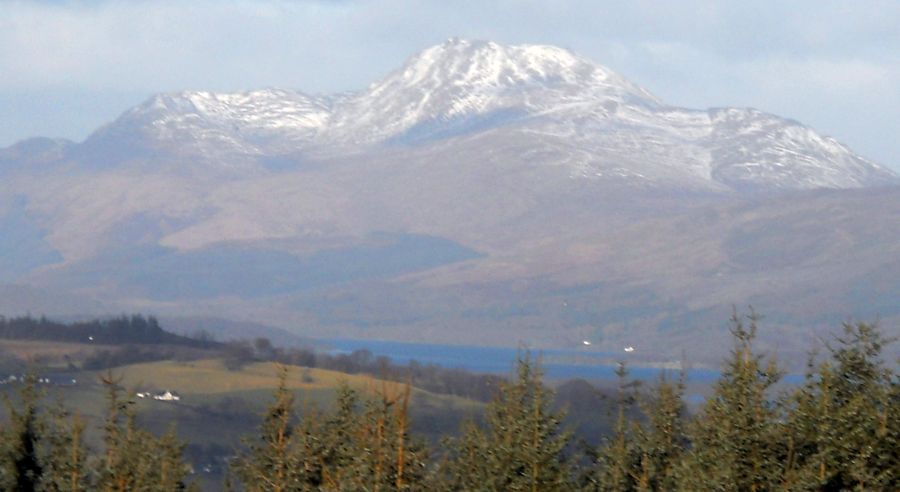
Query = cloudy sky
x=67 y=67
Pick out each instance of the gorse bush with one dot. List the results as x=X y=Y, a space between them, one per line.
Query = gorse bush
x=838 y=430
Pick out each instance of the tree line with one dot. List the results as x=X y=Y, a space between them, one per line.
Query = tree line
x=838 y=430
x=430 y=377
x=134 y=329
x=137 y=339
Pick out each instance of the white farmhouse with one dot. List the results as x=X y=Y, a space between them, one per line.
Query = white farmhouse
x=167 y=396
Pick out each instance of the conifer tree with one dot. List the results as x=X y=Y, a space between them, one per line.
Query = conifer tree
x=617 y=461
x=735 y=438
x=21 y=468
x=360 y=446
x=844 y=419
x=466 y=463
x=316 y=454
x=270 y=464
x=339 y=437
x=660 y=440
x=135 y=459
x=65 y=454
x=385 y=457
x=889 y=449
x=522 y=446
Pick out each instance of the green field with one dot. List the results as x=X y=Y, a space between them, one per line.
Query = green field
x=218 y=406
x=213 y=396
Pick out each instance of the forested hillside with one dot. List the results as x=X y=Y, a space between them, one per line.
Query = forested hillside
x=115 y=331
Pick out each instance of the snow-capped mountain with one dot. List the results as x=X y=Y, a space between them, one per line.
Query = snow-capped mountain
x=478 y=186
x=460 y=80
x=593 y=122
x=225 y=128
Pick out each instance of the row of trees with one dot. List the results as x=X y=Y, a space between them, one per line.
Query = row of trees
x=430 y=377
x=364 y=444
x=839 y=430
x=134 y=329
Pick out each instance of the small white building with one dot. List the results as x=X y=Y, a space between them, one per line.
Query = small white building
x=167 y=396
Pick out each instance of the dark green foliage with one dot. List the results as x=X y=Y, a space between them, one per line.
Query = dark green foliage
x=589 y=411
x=128 y=354
x=617 y=460
x=839 y=430
x=382 y=456
x=45 y=451
x=271 y=463
x=115 y=331
x=521 y=446
x=135 y=459
x=42 y=450
x=65 y=454
x=335 y=443
x=21 y=469
x=643 y=455
x=661 y=438
x=844 y=419
x=362 y=445
x=736 y=438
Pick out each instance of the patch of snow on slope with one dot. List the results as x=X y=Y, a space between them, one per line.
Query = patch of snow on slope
x=599 y=123
x=460 y=78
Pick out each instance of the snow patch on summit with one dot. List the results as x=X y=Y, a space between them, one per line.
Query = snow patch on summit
x=251 y=111
x=461 y=78
x=571 y=114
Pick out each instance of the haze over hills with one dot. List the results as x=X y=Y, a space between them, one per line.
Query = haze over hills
x=481 y=193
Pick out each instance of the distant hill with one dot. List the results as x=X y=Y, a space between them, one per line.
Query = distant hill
x=224 y=330
x=135 y=329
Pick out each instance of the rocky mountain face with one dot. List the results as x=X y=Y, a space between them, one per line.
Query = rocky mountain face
x=465 y=197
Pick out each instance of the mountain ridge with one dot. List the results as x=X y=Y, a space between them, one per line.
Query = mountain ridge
x=462 y=88
x=469 y=205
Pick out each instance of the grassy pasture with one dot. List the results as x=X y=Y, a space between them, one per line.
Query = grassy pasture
x=219 y=405
x=210 y=391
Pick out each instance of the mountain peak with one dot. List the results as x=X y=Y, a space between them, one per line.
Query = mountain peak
x=464 y=78
x=517 y=63
x=220 y=123
x=477 y=63
x=562 y=109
